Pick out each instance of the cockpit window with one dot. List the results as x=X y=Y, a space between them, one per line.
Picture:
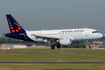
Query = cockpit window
x=95 y=32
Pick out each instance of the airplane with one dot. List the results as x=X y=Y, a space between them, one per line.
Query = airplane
x=57 y=37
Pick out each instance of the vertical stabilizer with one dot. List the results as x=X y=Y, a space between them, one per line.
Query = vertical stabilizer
x=14 y=25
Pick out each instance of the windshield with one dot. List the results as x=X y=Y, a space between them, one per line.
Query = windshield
x=95 y=32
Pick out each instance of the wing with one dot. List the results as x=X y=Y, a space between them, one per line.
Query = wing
x=50 y=38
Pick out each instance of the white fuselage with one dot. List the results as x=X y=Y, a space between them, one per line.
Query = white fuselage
x=72 y=34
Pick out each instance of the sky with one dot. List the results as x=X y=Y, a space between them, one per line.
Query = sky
x=53 y=14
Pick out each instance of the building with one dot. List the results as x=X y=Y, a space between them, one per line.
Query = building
x=1 y=45
x=13 y=46
x=98 y=42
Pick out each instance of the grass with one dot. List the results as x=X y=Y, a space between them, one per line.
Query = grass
x=48 y=55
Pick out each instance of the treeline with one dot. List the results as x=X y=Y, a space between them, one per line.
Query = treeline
x=5 y=41
x=80 y=45
x=9 y=40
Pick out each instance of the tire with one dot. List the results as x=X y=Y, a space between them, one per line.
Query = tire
x=52 y=47
x=58 y=46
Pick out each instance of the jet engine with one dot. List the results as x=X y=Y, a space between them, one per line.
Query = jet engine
x=65 y=41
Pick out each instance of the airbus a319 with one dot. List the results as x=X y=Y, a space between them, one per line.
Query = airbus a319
x=56 y=37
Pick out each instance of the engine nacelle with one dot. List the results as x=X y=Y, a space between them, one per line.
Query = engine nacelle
x=65 y=41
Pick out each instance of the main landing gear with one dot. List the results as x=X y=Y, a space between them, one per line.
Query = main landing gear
x=56 y=44
x=52 y=46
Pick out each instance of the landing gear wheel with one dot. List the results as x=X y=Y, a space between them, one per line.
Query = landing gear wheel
x=52 y=47
x=58 y=46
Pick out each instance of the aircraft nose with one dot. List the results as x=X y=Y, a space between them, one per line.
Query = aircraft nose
x=101 y=35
